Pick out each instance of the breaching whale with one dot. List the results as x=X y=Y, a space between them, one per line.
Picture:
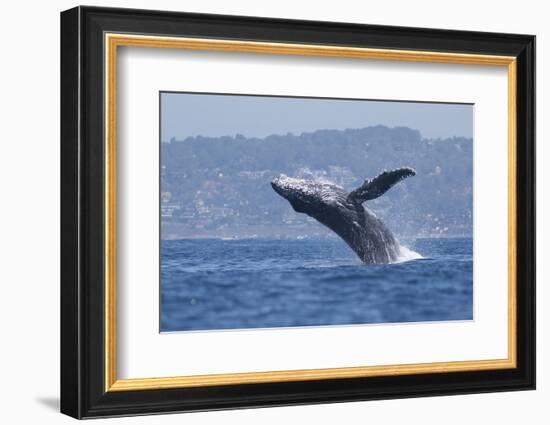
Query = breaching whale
x=344 y=213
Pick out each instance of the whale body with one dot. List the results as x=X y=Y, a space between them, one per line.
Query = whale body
x=343 y=212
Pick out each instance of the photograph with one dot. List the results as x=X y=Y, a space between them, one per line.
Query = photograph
x=284 y=211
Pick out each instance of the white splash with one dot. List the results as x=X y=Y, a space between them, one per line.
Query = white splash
x=406 y=254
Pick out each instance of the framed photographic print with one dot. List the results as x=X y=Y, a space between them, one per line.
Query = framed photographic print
x=261 y=212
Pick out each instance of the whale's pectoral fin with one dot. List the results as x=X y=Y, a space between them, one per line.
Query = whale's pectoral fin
x=377 y=186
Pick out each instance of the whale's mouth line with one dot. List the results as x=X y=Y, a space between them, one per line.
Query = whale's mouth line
x=277 y=188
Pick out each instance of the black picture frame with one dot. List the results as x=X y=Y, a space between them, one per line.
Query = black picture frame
x=83 y=392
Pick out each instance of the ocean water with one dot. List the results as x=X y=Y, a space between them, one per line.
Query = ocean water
x=209 y=284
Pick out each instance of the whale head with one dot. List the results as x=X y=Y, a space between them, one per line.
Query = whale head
x=308 y=196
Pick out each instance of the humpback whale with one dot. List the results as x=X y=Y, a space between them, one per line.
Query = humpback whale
x=344 y=213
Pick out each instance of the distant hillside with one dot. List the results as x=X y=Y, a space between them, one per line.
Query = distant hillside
x=219 y=187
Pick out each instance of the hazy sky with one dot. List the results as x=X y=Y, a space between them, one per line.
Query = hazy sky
x=184 y=115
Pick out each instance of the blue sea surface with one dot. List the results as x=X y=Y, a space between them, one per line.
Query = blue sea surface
x=209 y=284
